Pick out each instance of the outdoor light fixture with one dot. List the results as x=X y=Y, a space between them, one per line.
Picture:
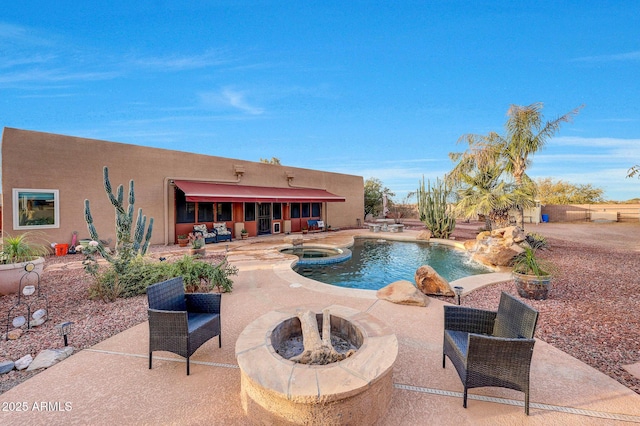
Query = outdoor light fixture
x=64 y=329
x=458 y=290
x=238 y=170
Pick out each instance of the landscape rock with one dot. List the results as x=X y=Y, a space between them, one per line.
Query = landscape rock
x=497 y=248
x=36 y=322
x=15 y=334
x=403 y=293
x=23 y=362
x=482 y=235
x=6 y=366
x=498 y=255
x=429 y=281
x=49 y=357
x=469 y=245
x=424 y=235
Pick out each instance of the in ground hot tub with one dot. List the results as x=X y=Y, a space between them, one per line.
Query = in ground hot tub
x=317 y=255
x=356 y=390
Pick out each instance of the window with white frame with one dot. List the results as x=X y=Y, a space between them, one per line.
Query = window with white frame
x=36 y=208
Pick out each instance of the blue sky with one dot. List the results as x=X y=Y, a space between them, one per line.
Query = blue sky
x=377 y=89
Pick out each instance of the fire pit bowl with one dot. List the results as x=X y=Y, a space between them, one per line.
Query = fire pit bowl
x=356 y=390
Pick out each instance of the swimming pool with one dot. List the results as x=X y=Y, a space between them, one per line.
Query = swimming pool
x=377 y=263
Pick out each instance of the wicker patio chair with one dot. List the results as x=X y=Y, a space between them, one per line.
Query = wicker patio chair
x=491 y=348
x=179 y=322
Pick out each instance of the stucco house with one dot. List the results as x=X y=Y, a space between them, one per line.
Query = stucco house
x=46 y=178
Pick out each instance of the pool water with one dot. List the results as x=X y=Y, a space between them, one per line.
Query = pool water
x=376 y=263
x=311 y=255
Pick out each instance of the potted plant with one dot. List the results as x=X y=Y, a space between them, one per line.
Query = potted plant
x=16 y=253
x=244 y=234
x=305 y=230
x=183 y=240
x=197 y=244
x=532 y=275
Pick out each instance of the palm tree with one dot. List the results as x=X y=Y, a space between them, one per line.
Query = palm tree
x=482 y=191
x=525 y=134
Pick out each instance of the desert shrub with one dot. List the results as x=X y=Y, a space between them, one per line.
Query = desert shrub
x=201 y=276
x=536 y=241
x=140 y=273
x=198 y=276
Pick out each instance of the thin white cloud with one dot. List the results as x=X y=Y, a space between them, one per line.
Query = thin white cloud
x=618 y=120
x=33 y=61
x=595 y=142
x=10 y=62
x=229 y=97
x=616 y=57
x=238 y=100
x=18 y=36
x=54 y=75
x=181 y=62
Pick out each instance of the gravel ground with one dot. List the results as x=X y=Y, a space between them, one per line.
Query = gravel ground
x=66 y=290
x=590 y=314
x=592 y=310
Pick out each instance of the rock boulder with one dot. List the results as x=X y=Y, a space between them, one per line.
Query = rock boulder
x=14 y=334
x=23 y=362
x=424 y=235
x=496 y=248
x=428 y=281
x=49 y=357
x=404 y=293
x=6 y=366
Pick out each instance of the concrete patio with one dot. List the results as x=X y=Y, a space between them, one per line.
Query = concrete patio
x=110 y=383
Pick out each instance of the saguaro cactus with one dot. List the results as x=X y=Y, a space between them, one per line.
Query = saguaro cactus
x=127 y=247
x=434 y=210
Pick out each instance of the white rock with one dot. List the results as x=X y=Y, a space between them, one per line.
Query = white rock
x=36 y=322
x=19 y=321
x=39 y=314
x=24 y=362
x=49 y=357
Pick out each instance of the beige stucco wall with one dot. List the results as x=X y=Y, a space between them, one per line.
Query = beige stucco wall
x=74 y=166
x=586 y=212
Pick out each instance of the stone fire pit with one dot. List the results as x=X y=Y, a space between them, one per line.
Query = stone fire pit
x=356 y=390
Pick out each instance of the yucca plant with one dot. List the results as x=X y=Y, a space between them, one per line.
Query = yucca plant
x=18 y=248
x=528 y=263
x=532 y=276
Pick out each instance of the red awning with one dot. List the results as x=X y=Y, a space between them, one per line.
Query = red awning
x=217 y=192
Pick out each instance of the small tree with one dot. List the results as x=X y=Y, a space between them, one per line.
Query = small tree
x=274 y=161
x=373 y=192
x=549 y=191
x=434 y=210
x=404 y=209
